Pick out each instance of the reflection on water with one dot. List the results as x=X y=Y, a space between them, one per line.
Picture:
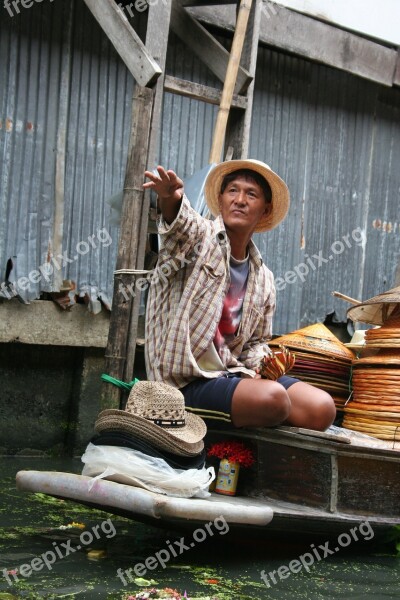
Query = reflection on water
x=36 y=527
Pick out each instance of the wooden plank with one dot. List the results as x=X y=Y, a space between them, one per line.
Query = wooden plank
x=239 y=124
x=197 y=91
x=230 y=81
x=278 y=468
x=187 y=3
x=125 y=40
x=396 y=78
x=205 y=46
x=158 y=21
x=368 y=486
x=302 y=35
x=324 y=435
x=133 y=206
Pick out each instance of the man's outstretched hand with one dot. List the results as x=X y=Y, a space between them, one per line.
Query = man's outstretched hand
x=166 y=184
x=169 y=188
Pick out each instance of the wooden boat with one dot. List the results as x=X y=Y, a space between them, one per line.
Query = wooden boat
x=304 y=482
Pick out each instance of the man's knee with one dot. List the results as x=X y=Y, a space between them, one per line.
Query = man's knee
x=277 y=404
x=326 y=413
x=259 y=404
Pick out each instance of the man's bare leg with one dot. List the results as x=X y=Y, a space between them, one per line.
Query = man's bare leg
x=263 y=403
x=310 y=407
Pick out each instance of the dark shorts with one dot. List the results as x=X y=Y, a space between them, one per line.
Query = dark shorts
x=211 y=399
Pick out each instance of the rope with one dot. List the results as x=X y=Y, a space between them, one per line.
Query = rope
x=119 y=383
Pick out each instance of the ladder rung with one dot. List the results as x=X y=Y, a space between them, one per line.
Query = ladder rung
x=189 y=3
x=197 y=91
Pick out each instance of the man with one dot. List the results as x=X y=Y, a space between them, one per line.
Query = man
x=210 y=305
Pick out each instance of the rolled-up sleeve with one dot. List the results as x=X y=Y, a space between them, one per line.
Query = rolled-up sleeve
x=182 y=235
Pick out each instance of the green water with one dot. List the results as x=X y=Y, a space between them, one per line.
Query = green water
x=220 y=568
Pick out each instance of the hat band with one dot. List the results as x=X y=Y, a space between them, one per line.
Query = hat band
x=169 y=422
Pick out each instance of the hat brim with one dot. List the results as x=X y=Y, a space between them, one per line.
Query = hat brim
x=383 y=360
x=280 y=192
x=184 y=441
x=123 y=439
x=356 y=346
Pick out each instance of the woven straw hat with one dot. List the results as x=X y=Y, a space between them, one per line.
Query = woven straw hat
x=384 y=356
x=378 y=309
x=279 y=189
x=156 y=412
x=315 y=338
x=387 y=336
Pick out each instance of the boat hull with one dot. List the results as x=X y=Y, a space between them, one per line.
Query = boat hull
x=303 y=483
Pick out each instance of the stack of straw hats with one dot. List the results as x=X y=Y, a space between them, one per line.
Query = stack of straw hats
x=155 y=422
x=154 y=444
x=375 y=405
x=322 y=360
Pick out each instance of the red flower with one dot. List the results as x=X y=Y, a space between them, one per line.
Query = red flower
x=233 y=451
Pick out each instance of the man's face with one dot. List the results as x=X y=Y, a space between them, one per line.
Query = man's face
x=242 y=204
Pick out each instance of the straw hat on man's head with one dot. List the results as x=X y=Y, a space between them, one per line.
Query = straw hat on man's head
x=280 y=194
x=155 y=412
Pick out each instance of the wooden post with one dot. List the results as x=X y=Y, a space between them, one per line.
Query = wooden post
x=238 y=129
x=132 y=208
x=156 y=43
x=230 y=81
x=146 y=119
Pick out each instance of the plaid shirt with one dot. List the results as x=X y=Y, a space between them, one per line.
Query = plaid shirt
x=186 y=297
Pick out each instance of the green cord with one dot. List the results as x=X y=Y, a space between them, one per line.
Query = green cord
x=119 y=383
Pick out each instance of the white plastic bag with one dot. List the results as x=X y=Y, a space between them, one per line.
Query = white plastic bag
x=154 y=474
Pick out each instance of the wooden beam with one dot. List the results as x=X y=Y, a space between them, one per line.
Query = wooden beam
x=132 y=208
x=187 y=3
x=197 y=91
x=125 y=40
x=396 y=78
x=239 y=124
x=205 y=46
x=235 y=56
x=302 y=35
x=158 y=20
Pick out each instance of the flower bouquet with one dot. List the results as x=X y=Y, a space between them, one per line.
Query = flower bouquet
x=232 y=455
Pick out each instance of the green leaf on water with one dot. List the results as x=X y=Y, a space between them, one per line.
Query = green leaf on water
x=144 y=582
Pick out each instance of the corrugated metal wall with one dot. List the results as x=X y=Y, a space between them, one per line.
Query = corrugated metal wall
x=65 y=112
x=65 y=105
x=336 y=141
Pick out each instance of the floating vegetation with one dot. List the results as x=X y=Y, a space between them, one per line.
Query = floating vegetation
x=166 y=594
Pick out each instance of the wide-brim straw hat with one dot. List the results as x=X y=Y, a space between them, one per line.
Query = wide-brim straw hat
x=385 y=356
x=156 y=412
x=378 y=309
x=119 y=421
x=315 y=338
x=280 y=192
x=387 y=336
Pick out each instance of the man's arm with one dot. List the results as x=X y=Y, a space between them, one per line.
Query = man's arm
x=169 y=188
